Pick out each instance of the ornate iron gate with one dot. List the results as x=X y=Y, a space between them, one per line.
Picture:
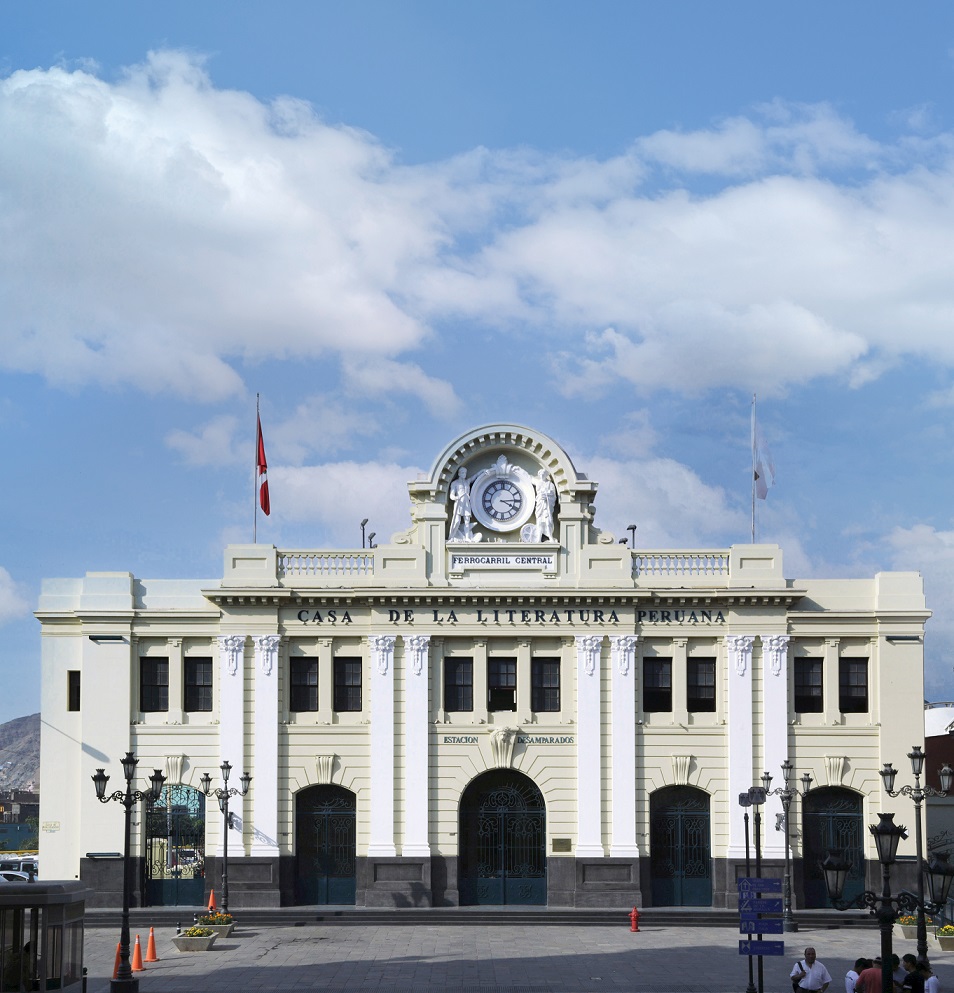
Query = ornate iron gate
x=175 y=848
x=832 y=821
x=680 y=856
x=502 y=841
x=325 y=845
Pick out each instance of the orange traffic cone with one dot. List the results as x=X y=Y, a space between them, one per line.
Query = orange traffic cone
x=137 y=965
x=212 y=907
x=119 y=956
x=151 y=955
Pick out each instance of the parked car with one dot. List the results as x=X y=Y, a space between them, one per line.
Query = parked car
x=20 y=865
x=12 y=876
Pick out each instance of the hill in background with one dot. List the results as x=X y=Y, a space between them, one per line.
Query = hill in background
x=20 y=753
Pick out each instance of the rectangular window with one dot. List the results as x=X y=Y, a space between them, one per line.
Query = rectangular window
x=700 y=685
x=853 y=686
x=458 y=685
x=501 y=684
x=153 y=685
x=347 y=684
x=304 y=684
x=657 y=685
x=545 y=685
x=809 y=694
x=73 y=689
x=198 y=684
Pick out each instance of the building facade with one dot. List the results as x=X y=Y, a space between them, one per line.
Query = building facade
x=502 y=705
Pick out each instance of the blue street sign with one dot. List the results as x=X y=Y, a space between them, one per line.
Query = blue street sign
x=757 y=905
x=761 y=925
x=761 y=947
x=757 y=884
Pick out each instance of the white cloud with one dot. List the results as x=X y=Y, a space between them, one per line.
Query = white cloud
x=161 y=232
x=669 y=504
x=13 y=604
x=922 y=548
x=214 y=444
x=336 y=495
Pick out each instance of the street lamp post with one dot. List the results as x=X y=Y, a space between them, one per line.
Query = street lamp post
x=745 y=801
x=917 y=794
x=887 y=836
x=223 y=795
x=124 y=981
x=787 y=794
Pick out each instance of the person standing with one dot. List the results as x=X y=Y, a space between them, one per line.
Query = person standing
x=913 y=981
x=851 y=976
x=811 y=974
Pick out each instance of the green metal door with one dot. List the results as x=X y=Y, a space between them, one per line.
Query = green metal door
x=832 y=822
x=175 y=848
x=680 y=856
x=325 y=845
x=502 y=841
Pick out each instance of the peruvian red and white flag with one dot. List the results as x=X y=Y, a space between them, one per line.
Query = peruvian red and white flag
x=262 y=468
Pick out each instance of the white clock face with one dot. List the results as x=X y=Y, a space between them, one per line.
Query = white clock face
x=502 y=501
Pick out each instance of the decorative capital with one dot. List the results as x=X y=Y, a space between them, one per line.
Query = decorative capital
x=231 y=647
x=382 y=651
x=623 y=649
x=266 y=651
x=740 y=650
x=775 y=647
x=588 y=649
x=416 y=646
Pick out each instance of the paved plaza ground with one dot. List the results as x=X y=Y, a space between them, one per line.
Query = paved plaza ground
x=472 y=959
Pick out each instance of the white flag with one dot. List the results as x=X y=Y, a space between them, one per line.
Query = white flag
x=762 y=462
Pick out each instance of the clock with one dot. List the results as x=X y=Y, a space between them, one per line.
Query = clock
x=502 y=497
x=502 y=500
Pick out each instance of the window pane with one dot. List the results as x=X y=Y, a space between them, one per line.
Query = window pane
x=501 y=684
x=304 y=684
x=700 y=685
x=809 y=697
x=73 y=689
x=198 y=684
x=657 y=685
x=853 y=686
x=545 y=685
x=153 y=685
x=347 y=684
x=458 y=685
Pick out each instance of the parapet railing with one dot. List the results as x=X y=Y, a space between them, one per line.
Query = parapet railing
x=683 y=566
x=325 y=565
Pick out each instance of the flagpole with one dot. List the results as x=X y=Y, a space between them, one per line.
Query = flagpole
x=753 y=468
x=255 y=477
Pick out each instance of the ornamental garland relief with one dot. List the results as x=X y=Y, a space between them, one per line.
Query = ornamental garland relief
x=416 y=646
x=740 y=650
x=775 y=647
x=266 y=651
x=588 y=649
x=231 y=646
x=623 y=649
x=382 y=651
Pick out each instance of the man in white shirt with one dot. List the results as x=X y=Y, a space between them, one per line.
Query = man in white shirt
x=811 y=974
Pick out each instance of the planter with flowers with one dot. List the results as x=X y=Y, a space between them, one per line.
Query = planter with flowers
x=220 y=924
x=906 y=926
x=944 y=936
x=195 y=939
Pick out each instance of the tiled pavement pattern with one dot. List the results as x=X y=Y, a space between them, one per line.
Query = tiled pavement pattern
x=521 y=959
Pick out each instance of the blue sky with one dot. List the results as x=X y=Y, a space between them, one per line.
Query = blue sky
x=612 y=222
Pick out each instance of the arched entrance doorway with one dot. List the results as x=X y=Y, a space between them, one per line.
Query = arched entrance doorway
x=503 y=855
x=832 y=821
x=679 y=854
x=325 y=845
x=175 y=848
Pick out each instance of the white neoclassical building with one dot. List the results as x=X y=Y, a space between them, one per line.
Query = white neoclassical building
x=503 y=704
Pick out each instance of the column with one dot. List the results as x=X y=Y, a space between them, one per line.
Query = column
x=739 y=734
x=231 y=722
x=680 y=712
x=589 y=842
x=775 y=718
x=381 y=842
x=416 y=727
x=623 y=731
x=265 y=764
